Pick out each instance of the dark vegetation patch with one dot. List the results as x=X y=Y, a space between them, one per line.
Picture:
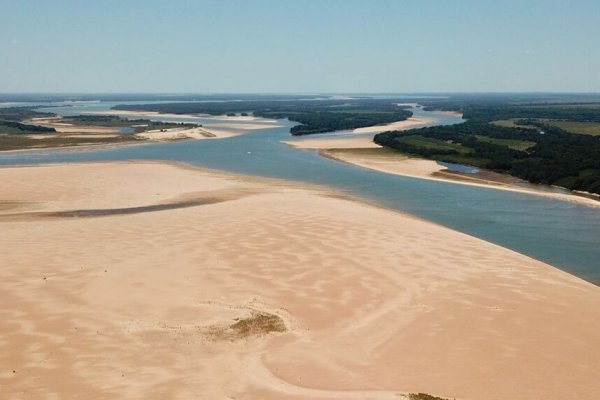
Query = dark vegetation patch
x=256 y=325
x=19 y=142
x=21 y=113
x=424 y=396
x=11 y=117
x=554 y=157
x=18 y=128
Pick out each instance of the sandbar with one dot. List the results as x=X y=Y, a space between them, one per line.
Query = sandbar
x=246 y=288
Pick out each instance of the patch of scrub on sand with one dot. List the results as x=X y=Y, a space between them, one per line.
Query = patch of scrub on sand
x=423 y=396
x=256 y=324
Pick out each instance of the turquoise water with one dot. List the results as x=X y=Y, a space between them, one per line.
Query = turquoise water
x=563 y=234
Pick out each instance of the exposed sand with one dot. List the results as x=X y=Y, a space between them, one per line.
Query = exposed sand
x=393 y=163
x=334 y=143
x=269 y=291
x=176 y=134
x=410 y=123
x=349 y=142
x=406 y=166
x=64 y=127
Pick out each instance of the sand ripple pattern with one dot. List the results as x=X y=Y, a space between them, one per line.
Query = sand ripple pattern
x=279 y=292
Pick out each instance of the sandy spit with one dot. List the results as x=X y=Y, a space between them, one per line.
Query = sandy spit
x=269 y=291
x=410 y=123
x=427 y=169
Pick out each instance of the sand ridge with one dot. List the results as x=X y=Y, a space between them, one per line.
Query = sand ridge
x=336 y=299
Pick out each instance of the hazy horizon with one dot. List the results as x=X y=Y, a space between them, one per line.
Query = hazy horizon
x=294 y=47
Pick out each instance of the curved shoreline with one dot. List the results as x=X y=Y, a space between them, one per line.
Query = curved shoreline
x=435 y=172
x=399 y=303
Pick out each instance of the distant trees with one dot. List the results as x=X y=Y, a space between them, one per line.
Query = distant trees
x=557 y=158
x=25 y=128
x=314 y=116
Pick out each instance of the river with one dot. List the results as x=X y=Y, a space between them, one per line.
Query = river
x=563 y=234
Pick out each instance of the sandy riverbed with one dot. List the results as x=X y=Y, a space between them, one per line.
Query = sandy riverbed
x=240 y=288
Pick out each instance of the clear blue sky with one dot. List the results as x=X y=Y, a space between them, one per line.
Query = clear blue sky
x=299 y=46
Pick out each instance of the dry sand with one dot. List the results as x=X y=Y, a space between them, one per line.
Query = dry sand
x=334 y=143
x=176 y=134
x=268 y=291
x=67 y=128
x=349 y=142
x=410 y=123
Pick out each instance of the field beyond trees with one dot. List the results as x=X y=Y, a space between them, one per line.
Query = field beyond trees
x=552 y=144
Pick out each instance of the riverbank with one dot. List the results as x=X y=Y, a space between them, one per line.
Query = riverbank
x=105 y=261
x=363 y=152
x=384 y=160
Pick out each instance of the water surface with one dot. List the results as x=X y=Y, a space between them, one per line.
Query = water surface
x=563 y=234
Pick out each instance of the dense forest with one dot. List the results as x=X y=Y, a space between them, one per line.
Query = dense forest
x=314 y=116
x=549 y=156
x=487 y=108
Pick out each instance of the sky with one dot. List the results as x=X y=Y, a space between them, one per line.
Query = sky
x=299 y=46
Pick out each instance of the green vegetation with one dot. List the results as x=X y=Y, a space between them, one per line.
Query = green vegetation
x=582 y=128
x=548 y=156
x=577 y=127
x=18 y=142
x=138 y=125
x=21 y=113
x=432 y=145
x=493 y=113
x=18 y=128
x=314 y=116
x=543 y=138
x=513 y=123
x=515 y=144
x=320 y=122
x=11 y=117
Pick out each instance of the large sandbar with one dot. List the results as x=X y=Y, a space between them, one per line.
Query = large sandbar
x=241 y=288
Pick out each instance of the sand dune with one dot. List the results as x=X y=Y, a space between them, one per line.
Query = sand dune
x=272 y=291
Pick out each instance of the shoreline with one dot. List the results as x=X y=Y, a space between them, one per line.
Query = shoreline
x=439 y=173
x=222 y=128
x=380 y=287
